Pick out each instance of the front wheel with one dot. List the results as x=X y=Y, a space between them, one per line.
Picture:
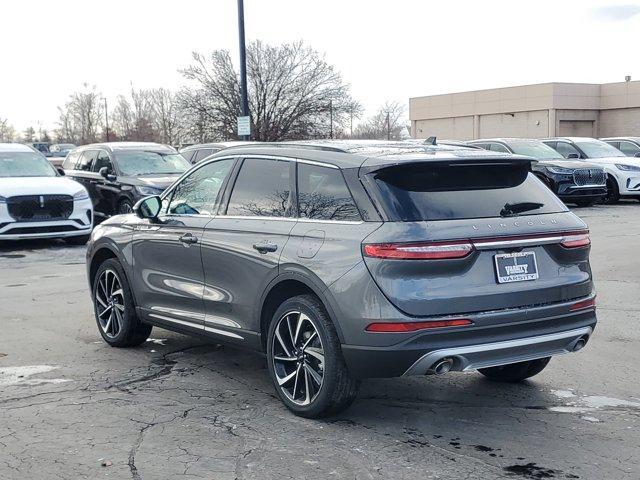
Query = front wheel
x=125 y=207
x=114 y=308
x=515 y=372
x=613 y=192
x=305 y=359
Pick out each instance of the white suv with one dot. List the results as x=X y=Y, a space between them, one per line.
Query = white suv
x=623 y=173
x=37 y=202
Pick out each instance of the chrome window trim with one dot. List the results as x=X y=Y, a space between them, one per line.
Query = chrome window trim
x=196 y=326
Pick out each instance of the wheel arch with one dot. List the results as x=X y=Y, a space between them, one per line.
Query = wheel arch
x=287 y=285
x=102 y=253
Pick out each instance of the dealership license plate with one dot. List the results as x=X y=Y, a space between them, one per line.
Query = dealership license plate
x=516 y=267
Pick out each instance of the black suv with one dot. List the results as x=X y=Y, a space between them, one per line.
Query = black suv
x=574 y=181
x=118 y=174
x=341 y=261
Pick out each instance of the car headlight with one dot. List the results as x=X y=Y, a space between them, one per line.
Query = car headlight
x=560 y=170
x=149 y=190
x=627 y=168
x=80 y=195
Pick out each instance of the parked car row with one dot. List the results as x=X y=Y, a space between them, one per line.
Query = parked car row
x=579 y=170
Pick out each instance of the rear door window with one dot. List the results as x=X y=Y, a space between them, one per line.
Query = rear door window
x=323 y=194
x=263 y=188
x=424 y=191
x=628 y=148
x=87 y=159
x=71 y=160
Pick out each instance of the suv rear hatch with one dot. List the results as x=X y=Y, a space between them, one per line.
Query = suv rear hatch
x=467 y=236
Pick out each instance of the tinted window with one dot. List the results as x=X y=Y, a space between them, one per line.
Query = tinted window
x=25 y=164
x=598 y=149
x=629 y=149
x=202 y=154
x=103 y=161
x=188 y=155
x=71 y=160
x=323 y=194
x=197 y=193
x=497 y=147
x=565 y=149
x=263 y=188
x=86 y=160
x=532 y=148
x=142 y=162
x=441 y=192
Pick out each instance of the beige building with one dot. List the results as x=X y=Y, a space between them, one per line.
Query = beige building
x=535 y=111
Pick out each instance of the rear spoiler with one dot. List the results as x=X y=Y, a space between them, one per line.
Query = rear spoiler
x=375 y=164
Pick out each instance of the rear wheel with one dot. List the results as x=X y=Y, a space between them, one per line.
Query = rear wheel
x=305 y=359
x=515 y=372
x=613 y=193
x=114 y=308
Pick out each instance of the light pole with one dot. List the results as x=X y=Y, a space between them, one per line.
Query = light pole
x=106 y=117
x=243 y=66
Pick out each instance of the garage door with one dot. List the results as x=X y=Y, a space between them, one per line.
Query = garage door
x=576 y=128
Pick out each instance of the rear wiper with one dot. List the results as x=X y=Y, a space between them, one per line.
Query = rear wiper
x=511 y=209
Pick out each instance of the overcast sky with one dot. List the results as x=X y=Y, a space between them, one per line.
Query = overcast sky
x=386 y=50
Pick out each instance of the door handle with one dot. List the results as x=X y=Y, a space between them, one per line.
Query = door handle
x=188 y=239
x=265 y=247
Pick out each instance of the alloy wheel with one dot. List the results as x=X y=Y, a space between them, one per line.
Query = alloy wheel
x=109 y=299
x=298 y=357
x=125 y=208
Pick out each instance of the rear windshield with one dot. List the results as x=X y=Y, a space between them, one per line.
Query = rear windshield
x=445 y=192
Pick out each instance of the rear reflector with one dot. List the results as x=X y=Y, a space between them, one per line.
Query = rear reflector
x=418 y=251
x=584 y=305
x=415 y=326
x=575 y=240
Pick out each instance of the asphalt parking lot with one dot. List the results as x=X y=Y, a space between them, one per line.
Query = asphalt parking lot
x=72 y=407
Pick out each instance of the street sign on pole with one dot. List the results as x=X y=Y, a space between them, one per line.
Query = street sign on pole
x=244 y=126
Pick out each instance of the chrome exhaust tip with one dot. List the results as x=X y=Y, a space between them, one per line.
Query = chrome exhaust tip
x=442 y=366
x=580 y=343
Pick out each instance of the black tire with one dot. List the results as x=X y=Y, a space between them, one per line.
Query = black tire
x=585 y=203
x=131 y=332
x=81 y=240
x=125 y=207
x=338 y=389
x=515 y=372
x=613 y=193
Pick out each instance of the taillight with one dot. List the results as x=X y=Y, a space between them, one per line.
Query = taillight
x=575 y=240
x=418 y=251
x=404 y=327
x=584 y=305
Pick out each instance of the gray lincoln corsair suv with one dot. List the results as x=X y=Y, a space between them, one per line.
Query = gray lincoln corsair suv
x=341 y=261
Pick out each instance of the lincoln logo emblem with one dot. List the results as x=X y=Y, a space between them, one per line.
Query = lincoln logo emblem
x=41 y=201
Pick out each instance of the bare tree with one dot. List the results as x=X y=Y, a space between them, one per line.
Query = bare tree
x=166 y=115
x=386 y=124
x=355 y=111
x=7 y=131
x=29 y=135
x=293 y=91
x=80 y=119
x=133 y=116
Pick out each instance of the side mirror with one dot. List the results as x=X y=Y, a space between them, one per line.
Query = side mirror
x=573 y=155
x=61 y=171
x=148 y=207
x=104 y=172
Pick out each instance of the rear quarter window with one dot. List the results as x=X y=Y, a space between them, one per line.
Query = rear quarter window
x=424 y=191
x=323 y=194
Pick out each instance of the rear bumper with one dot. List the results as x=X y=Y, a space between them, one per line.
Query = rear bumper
x=486 y=355
x=473 y=347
